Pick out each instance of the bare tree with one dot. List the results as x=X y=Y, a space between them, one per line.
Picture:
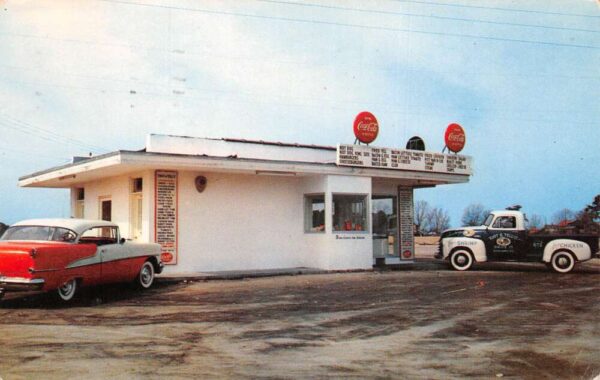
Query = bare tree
x=562 y=215
x=438 y=220
x=421 y=210
x=536 y=221
x=474 y=215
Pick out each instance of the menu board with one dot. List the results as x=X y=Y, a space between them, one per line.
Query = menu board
x=402 y=159
x=166 y=215
x=405 y=221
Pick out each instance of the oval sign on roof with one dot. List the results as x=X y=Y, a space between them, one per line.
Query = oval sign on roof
x=455 y=138
x=366 y=127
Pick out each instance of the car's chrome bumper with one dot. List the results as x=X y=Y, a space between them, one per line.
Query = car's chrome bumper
x=20 y=284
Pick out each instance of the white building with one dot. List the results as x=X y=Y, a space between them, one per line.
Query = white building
x=225 y=204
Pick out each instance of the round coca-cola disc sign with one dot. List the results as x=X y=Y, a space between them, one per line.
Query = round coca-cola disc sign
x=455 y=138
x=366 y=127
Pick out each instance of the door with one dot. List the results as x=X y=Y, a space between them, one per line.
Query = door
x=385 y=231
x=503 y=242
x=115 y=263
x=106 y=209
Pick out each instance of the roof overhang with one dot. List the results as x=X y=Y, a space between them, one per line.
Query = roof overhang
x=124 y=162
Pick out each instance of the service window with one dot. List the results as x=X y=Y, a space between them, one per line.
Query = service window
x=349 y=212
x=314 y=213
x=99 y=236
x=505 y=222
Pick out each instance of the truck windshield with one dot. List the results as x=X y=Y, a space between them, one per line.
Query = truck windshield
x=43 y=233
x=488 y=220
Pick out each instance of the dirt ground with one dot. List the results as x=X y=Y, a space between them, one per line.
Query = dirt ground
x=509 y=321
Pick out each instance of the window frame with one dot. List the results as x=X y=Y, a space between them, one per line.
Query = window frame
x=79 y=211
x=308 y=212
x=135 y=197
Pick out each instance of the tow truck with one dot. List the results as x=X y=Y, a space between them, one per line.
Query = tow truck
x=503 y=237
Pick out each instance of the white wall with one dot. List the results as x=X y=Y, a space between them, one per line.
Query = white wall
x=240 y=222
x=244 y=222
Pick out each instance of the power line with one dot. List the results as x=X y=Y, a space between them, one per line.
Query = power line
x=136 y=82
x=27 y=128
x=369 y=27
x=322 y=103
x=46 y=138
x=27 y=153
x=479 y=21
x=495 y=8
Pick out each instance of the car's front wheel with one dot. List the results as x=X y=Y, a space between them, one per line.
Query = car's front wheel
x=145 y=278
x=461 y=260
x=67 y=291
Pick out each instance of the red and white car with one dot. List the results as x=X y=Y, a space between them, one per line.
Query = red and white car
x=62 y=255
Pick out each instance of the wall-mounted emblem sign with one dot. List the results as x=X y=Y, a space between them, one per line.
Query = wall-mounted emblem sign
x=455 y=138
x=200 y=183
x=366 y=127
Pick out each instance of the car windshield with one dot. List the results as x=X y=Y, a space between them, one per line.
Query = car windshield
x=43 y=233
x=488 y=220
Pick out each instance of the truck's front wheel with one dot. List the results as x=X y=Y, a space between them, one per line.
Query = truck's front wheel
x=461 y=260
x=562 y=262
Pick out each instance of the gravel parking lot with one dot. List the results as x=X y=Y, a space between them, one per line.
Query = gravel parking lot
x=510 y=321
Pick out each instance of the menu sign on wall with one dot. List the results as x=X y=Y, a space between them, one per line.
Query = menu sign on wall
x=165 y=226
x=402 y=159
x=405 y=221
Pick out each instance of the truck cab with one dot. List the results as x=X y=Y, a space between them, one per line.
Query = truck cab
x=504 y=237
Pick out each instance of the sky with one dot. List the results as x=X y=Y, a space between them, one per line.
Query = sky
x=521 y=77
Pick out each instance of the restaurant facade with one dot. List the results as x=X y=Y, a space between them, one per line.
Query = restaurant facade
x=234 y=204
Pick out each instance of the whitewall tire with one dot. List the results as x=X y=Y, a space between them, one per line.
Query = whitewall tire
x=562 y=262
x=461 y=260
x=67 y=291
x=145 y=278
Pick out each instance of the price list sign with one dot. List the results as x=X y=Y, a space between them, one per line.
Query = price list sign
x=402 y=159
x=405 y=221
x=166 y=215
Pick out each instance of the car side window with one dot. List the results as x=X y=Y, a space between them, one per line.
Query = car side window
x=63 y=234
x=99 y=236
x=505 y=222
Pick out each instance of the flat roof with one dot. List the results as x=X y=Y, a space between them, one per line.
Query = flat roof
x=165 y=152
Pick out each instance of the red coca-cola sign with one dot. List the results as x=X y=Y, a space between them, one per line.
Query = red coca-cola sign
x=166 y=257
x=366 y=127
x=455 y=138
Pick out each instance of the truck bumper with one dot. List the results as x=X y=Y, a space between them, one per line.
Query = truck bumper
x=19 y=284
